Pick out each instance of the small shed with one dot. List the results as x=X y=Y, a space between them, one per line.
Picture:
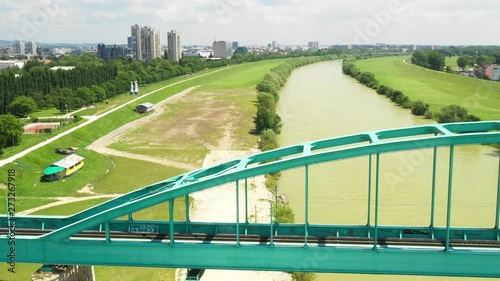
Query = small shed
x=144 y=107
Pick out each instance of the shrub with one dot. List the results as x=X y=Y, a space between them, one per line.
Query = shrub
x=268 y=140
x=419 y=108
x=267 y=86
x=453 y=113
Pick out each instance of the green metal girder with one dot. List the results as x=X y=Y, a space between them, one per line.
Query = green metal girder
x=315 y=230
x=261 y=257
x=282 y=159
x=56 y=247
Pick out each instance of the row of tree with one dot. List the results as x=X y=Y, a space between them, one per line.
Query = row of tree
x=475 y=60
x=429 y=59
x=451 y=113
x=94 y=80
x=489 y=51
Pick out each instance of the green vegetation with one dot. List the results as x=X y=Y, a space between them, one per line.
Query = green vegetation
x=11 y=130
x=437 y=89
x=429 y=59
x=22 y=106
x=451 y=62
x=221 y=102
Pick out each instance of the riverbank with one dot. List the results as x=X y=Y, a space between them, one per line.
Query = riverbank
x=438 y=89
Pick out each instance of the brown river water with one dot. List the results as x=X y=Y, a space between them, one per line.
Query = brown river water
x=320 y=102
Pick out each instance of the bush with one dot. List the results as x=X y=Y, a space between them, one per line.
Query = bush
x=453 y=113
x=267 y=87
x=419 y=108
x=303 y=276
x=395 y=95
x=381 y=90
x=402 y=99
x=428 y=114
x=268 y=140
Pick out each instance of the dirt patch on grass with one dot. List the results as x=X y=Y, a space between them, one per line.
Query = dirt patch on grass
x=195 y=124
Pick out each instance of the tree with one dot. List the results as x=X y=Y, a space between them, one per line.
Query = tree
x=99 y=93
x=22 y=106
x=453 y=113
x=463 y=61
x=11 y=130
x=436 y=60
x=267 y=87
x=419 y=107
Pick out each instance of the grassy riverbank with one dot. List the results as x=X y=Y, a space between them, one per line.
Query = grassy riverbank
x=225 y=97
x=438 y=89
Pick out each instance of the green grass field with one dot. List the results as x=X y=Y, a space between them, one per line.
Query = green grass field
x=451 y=61
x=229 y=99
x=438 y=89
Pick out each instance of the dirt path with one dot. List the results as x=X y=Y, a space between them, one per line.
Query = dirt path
x=100 y=144
x=66 y=200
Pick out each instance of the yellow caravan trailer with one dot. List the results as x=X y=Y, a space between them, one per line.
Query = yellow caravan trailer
x=63 y=168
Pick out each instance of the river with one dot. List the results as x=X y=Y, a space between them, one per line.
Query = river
x=318 y=102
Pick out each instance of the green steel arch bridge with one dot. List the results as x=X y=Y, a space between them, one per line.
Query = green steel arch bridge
x=97 y=237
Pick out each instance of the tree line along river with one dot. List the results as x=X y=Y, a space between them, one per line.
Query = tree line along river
x=319 y=102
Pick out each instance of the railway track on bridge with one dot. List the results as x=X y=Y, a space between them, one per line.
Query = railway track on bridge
x=291 y=239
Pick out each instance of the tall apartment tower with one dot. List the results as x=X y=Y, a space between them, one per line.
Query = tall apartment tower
x=174 y=45
x=30 y=47
x=313 y=46
x=146 y=43
x=19 y=48
x=222 y=49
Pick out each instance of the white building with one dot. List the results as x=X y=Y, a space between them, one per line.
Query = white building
x=30 y=47
x=55 y=68
x=174 y=45
x=146 y=43
x=198 y=53
x=11 y=63
x=495 y=73
x=313 y=46
x=222 y=49
x=19 y=48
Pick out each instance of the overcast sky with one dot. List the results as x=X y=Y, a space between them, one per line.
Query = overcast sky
x=289 y=22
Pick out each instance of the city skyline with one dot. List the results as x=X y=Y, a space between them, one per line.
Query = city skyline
x=288 y=22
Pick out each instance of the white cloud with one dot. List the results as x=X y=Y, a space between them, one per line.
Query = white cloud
x=253 y=21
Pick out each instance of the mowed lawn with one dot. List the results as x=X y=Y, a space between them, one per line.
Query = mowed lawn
x=438 y=89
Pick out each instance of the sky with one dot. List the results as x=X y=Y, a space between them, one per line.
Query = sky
x=256 y=22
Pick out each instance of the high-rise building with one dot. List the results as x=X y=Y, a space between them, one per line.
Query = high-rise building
x=114 y=51
x=30 y=47
x=236 y=44
x=145 y=42
x=19 y=48
x=129 y=42
x=174 y=46
x=222 y=49
x=275 y=44
x=101 y=51
x=313 y=46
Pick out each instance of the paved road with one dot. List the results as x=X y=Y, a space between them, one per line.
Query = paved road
x=91 y=120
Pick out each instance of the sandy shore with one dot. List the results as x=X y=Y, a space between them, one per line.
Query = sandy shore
x=219 y=204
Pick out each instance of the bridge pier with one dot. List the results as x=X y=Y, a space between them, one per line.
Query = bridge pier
x=64 y=273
